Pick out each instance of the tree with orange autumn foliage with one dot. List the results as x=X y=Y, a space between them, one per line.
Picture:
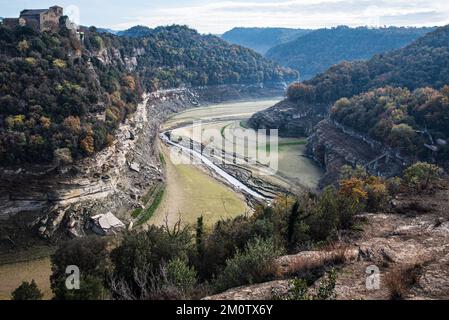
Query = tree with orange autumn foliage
x=87 y=145
x=370 y=190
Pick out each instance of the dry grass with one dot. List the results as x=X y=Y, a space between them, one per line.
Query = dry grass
x=401 y=279
x=12 y=276
x=191 y=193
x=308 y=262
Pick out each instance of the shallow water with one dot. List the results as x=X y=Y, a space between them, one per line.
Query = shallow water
x=294 y=169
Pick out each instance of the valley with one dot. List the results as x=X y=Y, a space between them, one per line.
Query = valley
x=196 y=189
x=164 y=163
x=293 y=172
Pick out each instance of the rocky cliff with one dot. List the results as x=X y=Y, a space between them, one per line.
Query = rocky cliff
x=332 y=146
x=57 y=200
x=289 y=118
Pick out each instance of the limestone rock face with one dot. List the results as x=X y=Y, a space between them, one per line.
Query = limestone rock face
x=263 y=291
x=48 y=200
x=289 y=118
x=332 y=146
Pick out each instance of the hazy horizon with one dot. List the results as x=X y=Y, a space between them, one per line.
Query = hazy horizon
x=218 y=17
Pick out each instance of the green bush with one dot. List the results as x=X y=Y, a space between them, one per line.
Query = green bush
x=299 y=289
x=91 y=288
x=225 y=239
x=90 y=255
x=181 y=275
x=148 y=251
x=27 y=291
x=422 y=176
x=254 y=265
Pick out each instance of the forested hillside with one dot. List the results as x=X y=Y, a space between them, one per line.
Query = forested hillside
x=411 y=122
x=424 y=63
x=262 y=39
x=61 y=99
x=316 y=51
x=135 y=32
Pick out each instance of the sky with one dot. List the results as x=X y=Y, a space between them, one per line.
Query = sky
x=212 y=16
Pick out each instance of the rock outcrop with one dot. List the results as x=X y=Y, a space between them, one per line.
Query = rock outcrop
x=289 y=118
x=413 y=237
x=332 y=146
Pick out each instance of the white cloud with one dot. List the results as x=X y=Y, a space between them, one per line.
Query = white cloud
x=219 y=16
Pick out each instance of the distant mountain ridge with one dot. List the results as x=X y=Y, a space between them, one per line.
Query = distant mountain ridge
x=262 y=39
x=316 y=51
x=135 y=32
x=424 y=63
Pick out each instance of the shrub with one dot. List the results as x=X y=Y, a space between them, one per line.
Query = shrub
x=90 y=255
x=401 y=279
x=182 y=276
x=326 y=290
x=226 y=239
x=91 y=288
x=255 y=265
x=148 y=251
x=27 y=291
x=172 y=281
x=394 y=185
x=422 y=176
x=299 y=289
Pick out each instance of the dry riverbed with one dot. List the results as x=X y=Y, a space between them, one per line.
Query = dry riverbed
x=294 y=172
x=192 y=192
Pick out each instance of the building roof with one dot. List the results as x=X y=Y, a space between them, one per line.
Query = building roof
x=32 y=12
x=107 y=221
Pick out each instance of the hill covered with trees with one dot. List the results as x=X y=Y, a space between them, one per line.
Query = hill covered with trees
x=262 y=39
x=412 y=122
x=424 y=63
x=318 y=50
x=135 y=32
x=61 y=99
x=390 y=115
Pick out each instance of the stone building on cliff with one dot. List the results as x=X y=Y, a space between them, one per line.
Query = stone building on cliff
x=37 y=19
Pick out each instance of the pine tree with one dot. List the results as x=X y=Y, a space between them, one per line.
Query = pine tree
x=200 y=237
x=293 y=219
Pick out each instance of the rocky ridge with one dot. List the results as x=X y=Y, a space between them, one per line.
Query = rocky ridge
x=289 y=118
x=413 y=235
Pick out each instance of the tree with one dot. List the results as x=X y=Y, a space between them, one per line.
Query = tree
x=87 y=145
x=23 y=46
x=293 y=219
x=254 y=265
x=27 y=291
x=402 y=136
x=182 y=276
x=200 y=237
x=90 y=255
x=63 y=156
x=422 y=176
x=301 y=92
